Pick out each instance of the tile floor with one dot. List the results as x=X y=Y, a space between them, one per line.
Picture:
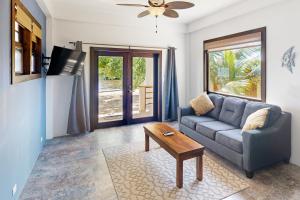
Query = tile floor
x=71 y=168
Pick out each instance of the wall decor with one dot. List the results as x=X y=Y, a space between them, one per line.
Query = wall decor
x=26 y=44
x=288 y=59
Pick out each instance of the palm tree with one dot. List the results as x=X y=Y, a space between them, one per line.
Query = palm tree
x=230 y=63
x=244 y=69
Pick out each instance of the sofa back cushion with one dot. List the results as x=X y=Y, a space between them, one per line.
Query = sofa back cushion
x=202 y=104
x=218 y=102
x=232 y=111
x=251 y=107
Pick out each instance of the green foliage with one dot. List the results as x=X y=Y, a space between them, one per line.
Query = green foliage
x=138 y=71
x=214 y=63
x=111 y=68
x=243 y=67
x=229 y=62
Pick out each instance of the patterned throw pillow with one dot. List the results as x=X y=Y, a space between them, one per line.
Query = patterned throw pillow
x=202 y=104
x=256 y=120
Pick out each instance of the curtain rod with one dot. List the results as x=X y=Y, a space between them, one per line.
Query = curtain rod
x=120 y=45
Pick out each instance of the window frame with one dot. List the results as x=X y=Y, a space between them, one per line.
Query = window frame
x=28 y=29
x=263 y=32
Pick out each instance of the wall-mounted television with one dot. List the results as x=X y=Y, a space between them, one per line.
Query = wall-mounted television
x=66 y=61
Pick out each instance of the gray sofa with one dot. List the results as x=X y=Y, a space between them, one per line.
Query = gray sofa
x=220 y=131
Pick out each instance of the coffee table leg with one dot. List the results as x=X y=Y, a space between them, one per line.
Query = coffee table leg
x=199 y=168
x=146 y=142
x=179 y=173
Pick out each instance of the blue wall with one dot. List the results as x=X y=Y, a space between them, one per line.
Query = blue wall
x=22 y=112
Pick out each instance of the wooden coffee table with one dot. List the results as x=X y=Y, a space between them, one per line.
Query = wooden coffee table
x=178 y=145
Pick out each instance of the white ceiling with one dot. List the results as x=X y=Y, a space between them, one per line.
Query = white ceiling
x=107 y=10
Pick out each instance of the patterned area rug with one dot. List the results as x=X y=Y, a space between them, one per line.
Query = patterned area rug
x=137 y=174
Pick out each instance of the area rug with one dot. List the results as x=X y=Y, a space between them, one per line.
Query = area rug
x=141 y=175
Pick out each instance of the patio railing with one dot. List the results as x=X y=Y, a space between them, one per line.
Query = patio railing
x=146 y=96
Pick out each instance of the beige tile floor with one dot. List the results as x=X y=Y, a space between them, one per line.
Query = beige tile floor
x=71 y=168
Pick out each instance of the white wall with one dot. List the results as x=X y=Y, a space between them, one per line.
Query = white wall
x=283 y=31
x=64 y=31
x=58 y=100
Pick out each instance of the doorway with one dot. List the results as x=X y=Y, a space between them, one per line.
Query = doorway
x=125 y=86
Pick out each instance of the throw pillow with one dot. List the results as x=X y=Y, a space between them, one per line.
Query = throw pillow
x=202 y=104
x=256 y=120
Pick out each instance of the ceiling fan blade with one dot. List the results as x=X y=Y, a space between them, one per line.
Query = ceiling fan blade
x=179 y=5
x=132 y=5
x=143 y=14
x=171 y=13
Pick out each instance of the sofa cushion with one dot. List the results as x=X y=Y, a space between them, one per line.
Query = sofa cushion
x=209 y=129
x=191 y=120
x=202 y=104
x=256 y=120
x=217 y=101
x=232 y=111
x=251 y=107
x=232 y=139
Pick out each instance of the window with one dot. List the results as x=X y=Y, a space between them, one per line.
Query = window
x=26 y=44
x=235 y=65
x=18 y=49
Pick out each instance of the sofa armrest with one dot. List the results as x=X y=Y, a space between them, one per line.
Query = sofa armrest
x=184 y=111
x=263 y=147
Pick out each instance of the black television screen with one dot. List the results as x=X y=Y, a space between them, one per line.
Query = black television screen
x=66 y=61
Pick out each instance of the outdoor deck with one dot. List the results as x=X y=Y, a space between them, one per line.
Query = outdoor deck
x=111 y=106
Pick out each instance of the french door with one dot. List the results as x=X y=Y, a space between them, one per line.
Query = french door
x=125 y=87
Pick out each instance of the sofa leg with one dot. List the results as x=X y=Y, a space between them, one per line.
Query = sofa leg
x=286 y=161
x=249 y=174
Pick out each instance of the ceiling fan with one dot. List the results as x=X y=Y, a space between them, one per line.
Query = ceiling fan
x=159 y=7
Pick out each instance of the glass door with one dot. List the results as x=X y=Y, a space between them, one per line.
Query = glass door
x=143 y=96
x=124 y=87
x=111 y=87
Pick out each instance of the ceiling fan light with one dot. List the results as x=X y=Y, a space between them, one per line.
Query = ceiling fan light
x=157 y=11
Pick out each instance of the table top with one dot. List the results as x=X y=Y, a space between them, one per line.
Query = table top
x=178 y=145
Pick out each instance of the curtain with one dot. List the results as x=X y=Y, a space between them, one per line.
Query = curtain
x=78 y=116
x=78 y=122
x=171 y=87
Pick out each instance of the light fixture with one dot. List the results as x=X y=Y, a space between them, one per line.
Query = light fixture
x=157 y=11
